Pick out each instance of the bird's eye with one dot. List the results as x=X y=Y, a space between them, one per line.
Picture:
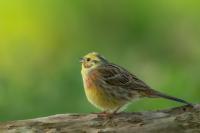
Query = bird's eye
x=88 y=59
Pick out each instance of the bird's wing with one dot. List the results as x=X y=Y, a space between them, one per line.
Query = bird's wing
x=127 y=84
x=117 y=76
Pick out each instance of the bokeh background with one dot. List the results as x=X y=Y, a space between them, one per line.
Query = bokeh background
x=41 y=42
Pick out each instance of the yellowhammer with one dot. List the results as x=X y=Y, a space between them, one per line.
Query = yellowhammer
x=109 y=87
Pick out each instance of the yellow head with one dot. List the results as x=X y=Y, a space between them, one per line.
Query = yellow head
x=92 y=60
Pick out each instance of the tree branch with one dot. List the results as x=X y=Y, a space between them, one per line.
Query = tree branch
x=184 y=119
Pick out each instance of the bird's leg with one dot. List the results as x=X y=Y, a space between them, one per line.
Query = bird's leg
x=116 y=110
x=104 y=113
x=109 y=116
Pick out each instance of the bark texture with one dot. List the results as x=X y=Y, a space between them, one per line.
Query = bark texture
x=184 y=119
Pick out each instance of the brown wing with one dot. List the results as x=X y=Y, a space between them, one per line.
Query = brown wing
x=122 y=84
x=120 y=80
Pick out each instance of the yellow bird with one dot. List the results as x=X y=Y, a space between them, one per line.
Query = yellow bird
x=109 y=87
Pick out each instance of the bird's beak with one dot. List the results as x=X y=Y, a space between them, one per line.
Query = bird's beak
x=81 y=60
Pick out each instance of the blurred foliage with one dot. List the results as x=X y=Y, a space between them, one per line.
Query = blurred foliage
x=41 y=42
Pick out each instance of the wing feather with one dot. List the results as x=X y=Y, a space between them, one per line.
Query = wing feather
x=116 y=76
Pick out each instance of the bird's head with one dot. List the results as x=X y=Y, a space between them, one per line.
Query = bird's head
x=92 y=60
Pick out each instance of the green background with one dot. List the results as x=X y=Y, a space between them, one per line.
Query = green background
x=41 y=42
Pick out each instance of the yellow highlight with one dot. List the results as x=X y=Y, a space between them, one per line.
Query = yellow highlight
x=100 y=100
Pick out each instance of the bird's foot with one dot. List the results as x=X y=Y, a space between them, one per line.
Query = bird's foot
x=99 y=113
x=107 y=116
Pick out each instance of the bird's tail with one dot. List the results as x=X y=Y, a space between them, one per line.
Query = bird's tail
x=161 y=95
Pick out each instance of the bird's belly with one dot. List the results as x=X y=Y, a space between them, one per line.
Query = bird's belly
x=101 y=100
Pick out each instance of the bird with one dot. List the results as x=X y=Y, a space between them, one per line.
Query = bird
x=110 y=87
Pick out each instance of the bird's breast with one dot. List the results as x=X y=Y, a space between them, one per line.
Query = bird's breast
x=88 y=83
x=97 y=95
x=89 y=79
